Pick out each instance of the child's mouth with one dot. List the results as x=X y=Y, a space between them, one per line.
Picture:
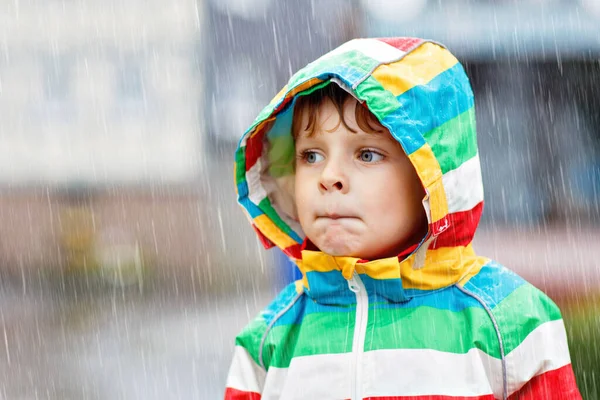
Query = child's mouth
x=335 y=216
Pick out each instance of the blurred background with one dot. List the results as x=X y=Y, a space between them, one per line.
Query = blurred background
x=126 y=267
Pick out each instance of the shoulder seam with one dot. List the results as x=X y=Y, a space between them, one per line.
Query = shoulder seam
x=497 y=329
x=279 y=315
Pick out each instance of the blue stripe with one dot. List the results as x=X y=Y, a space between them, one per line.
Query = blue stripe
x=386 y=289
x=494 y=283
x=429 y=106
x=283 y=122
x=252 y=208
x=450 y=298
x=242 y=189
x=329 y=288
x=283 y=300
x=304 y=307
x=331 y=292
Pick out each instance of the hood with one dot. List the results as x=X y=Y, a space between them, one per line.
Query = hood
x=419 y=91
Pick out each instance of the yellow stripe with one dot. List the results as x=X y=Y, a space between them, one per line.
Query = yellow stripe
x=272 y=232
x=430 y=173
x=305 y=85
x=316 y=261
x=443 y=267
x=299 y=286
x=427 y=165
x=386 y=268
x=264 y=124
x=479 y=263
x=438 y=204
x=279 y=95
x=418 y=68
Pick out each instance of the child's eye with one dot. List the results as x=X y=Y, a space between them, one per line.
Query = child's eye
x=370 y=156
x=311 y=157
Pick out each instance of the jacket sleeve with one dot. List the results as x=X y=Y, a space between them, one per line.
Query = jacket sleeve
x=537 y=360
x=555 y=384
x=246 y=377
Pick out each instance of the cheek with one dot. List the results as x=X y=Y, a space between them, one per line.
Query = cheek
x=302 y=196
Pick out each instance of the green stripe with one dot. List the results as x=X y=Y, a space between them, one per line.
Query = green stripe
x=313 y=88
x=267 y=208
x=352 y=59
x=320 y=333
x=381 y=102
x=264 y=114
x=457 y=135
x=413 y=328
x=282 y=156
x=432 y=328
x=240 y=165
x=521 y=312
x=251 y=336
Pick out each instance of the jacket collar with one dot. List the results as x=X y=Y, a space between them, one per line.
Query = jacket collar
x=325 y=277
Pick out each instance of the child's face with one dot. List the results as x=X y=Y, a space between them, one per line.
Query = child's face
x=357 y=194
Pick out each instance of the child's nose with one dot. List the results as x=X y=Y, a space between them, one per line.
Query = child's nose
x=333 y=178
x=337 y=185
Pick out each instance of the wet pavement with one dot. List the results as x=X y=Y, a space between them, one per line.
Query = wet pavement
x=118 y=344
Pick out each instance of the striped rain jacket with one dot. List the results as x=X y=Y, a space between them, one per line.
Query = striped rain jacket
x=438 y=323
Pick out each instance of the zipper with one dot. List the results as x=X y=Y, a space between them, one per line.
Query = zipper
x=360 y=331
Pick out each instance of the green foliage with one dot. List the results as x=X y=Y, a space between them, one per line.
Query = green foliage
x=582 y=321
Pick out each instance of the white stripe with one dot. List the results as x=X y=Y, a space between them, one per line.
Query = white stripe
x=418 y=372
x=323 y=376
x=376 y=49
x=387 y=373
x=244 y=373
x=421 y=372
x=256 y=191
x=463 y=186
x=545 y=349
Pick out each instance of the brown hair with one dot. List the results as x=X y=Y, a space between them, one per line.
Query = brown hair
x=338 y=96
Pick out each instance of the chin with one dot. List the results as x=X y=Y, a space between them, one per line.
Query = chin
x=335 y=248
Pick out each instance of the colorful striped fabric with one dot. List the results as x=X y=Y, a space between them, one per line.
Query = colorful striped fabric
x=442 y=323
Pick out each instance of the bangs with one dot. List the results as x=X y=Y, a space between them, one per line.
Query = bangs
x=309 y=106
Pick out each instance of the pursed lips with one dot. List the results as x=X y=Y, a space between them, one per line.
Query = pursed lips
x=336 y=216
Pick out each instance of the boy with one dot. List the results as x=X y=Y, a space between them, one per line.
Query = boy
x=364 y=170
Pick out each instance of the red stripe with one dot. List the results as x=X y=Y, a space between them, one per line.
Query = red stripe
x=402 y=43
x=254 y=147
x=263 y=239
x=283 y=104
x=433 y=397
x=294 y=251
x=461 y=228
x=556 y=384
x=234 y=394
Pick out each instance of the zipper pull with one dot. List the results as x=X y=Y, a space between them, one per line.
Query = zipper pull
x=353 y=284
